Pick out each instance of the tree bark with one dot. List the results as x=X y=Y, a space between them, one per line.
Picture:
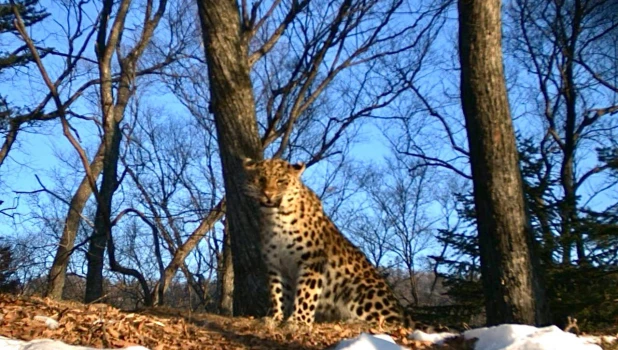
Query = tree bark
x=233 y=106
x=102 y=221
x=57 y=274
x=226 y=277
x=512 y=292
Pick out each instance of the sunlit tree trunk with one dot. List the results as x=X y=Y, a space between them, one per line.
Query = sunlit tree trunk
x=57 y=273
x=512 y=291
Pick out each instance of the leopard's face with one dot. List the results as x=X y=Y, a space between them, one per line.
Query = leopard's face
x=268 y=181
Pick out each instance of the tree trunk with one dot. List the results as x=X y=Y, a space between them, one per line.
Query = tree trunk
x=567 y=178
x=102 y=221
x=568 y=209
x=512 y=295
x=233 y=106
x=113 y=114
x=226 y=277
x=57 y=274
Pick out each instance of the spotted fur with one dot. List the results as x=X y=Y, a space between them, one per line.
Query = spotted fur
x=315 y=273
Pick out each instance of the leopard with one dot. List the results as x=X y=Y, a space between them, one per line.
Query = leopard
x=315 y=273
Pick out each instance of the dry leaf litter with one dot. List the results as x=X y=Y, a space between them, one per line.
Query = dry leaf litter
x=103 y=326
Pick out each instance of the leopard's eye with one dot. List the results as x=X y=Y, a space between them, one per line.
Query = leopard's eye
x=262 y=180
x=282 y=182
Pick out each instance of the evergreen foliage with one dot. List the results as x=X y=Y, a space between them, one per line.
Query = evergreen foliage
x=585 y=290
x=8 y=282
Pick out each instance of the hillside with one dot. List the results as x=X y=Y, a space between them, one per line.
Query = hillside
x=101 y=325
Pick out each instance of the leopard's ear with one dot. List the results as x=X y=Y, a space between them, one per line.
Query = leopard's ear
x=297 y=168
x=249 y=164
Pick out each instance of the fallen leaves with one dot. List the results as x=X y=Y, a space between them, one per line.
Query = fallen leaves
x=100 y=325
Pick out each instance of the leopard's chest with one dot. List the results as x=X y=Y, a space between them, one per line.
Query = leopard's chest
x=282 y=240
x=280 y=226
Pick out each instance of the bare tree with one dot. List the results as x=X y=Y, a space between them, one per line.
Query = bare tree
x=395 y=223
x=77 y=38
x=112 y=116
x=511 y=287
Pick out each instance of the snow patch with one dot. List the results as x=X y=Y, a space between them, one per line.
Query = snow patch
x=598 y=339
x=369 y=342
x=434 y=338
x=522 y=337
x=47 y=344
x=519 y=337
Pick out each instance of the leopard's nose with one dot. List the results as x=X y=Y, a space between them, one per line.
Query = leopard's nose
x=269 y=195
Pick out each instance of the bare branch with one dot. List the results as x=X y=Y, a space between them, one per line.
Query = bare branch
x=55 y=195
x=295 y=9
x=19 y=24
x=432 y=161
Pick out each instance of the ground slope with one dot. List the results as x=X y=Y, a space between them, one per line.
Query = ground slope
x=99 y=325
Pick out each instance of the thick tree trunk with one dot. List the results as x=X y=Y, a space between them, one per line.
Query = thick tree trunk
x=57 y=274
x=233 y=106
x=512 y=293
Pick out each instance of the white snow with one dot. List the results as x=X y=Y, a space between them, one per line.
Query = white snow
x=369 y=342
x=518 y=337
x=434 y=338
x=598 y=339
x=515 y=337
x=47 y=344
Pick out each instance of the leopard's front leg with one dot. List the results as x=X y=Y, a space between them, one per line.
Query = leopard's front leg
x=277 y=298
x=308 y=290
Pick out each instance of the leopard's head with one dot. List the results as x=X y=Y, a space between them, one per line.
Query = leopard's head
x=269 y=180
